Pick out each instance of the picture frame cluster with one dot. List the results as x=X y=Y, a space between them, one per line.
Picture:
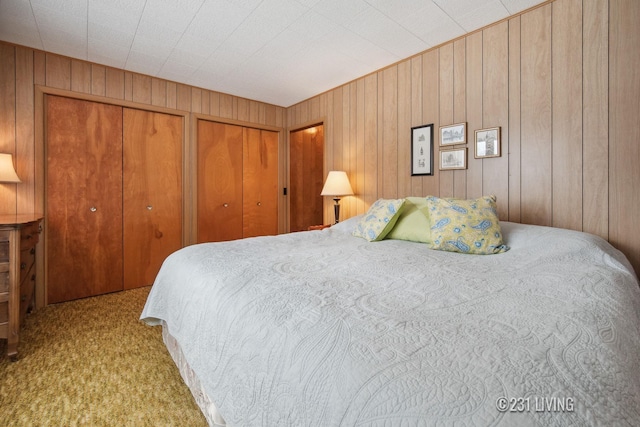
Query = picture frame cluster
x=487 y=144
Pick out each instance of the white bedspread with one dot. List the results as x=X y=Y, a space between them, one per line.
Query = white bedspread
x=324 y=329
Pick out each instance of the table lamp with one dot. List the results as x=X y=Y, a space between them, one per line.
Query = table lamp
x=337 y=185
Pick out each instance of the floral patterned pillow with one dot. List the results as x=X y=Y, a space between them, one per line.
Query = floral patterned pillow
x=466 y=226
x=379 y=219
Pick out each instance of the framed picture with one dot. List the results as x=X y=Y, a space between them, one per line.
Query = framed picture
x=453 y=134
x=487 y=143
x=422 y=150
x=453 y=159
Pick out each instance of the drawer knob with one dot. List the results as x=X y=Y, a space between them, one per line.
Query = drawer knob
x=93 y=209
x=226 y=205
x=149 y=207
x=259 y=204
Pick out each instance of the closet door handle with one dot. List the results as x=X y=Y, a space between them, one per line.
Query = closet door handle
x=93 y=209
x=149 y=207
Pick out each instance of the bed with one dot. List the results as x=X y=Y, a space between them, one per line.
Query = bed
x=322 y=328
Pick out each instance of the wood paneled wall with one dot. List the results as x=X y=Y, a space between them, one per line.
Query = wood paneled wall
x=558 y=79
x=23 y=69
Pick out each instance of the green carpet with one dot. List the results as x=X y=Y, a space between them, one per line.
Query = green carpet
x=91 y=362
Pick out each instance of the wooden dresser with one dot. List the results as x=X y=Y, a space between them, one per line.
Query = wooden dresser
x=18 y=238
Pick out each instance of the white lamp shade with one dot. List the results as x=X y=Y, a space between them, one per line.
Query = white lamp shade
x=7 y=171
x=337 y=184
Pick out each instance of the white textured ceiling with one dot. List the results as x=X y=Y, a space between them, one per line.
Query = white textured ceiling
x=276 y=51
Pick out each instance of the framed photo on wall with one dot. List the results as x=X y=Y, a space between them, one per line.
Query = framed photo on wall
x=453 y=159
x=453 y=134
x=487 y=143
x=422 y=150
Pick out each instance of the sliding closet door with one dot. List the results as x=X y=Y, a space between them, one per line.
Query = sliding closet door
x=219 y=181
x=152 y=193
x=260 y=183
x=83 y=198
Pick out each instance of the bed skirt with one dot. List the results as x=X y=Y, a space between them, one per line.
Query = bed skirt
x=203 y=401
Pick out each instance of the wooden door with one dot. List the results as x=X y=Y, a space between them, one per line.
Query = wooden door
x=260 y=183
x=306 y=166
x=83 y=198
x=219 y=191
x=152 y=194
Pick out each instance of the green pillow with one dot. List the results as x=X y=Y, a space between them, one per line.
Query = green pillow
x=413 y=223
x=379 y=219
x=467 y=226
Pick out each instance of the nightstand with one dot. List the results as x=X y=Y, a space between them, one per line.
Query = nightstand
x=18 y=238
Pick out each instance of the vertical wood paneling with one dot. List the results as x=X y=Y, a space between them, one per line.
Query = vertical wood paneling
x=141 y=89
x=25 y=150
x=536 y=116
x=403 y=134
x=514 y=152
x=416 y=96
x=243 y=110
x=214 y=103
x=183 y=97
x=495 y=112
x=205 y=102
x=459 y=109
x=58 y=72
x=337 y=130
x=595 y=113
x=446 y=111
x=7 y=121
x=389 y=139
x=39 y=68
x=80 y=76
x=226 y=106
x=474 y=111
x=380 y=138
x=370 y=140
x=567 y=114
x=431 y=114
x=196 y=100
x=128 y=86
x=98 y=80
x=624 y=127
x=358 y=188
x=115 y=83
x=172 y=95
x=353 y=149
x=158 y=92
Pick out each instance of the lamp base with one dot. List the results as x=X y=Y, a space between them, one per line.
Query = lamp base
x=336 y=210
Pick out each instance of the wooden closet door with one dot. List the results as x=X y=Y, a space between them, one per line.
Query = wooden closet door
x=83 y=198
x=260 y=183
x=219 y=181
x=152 y=193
